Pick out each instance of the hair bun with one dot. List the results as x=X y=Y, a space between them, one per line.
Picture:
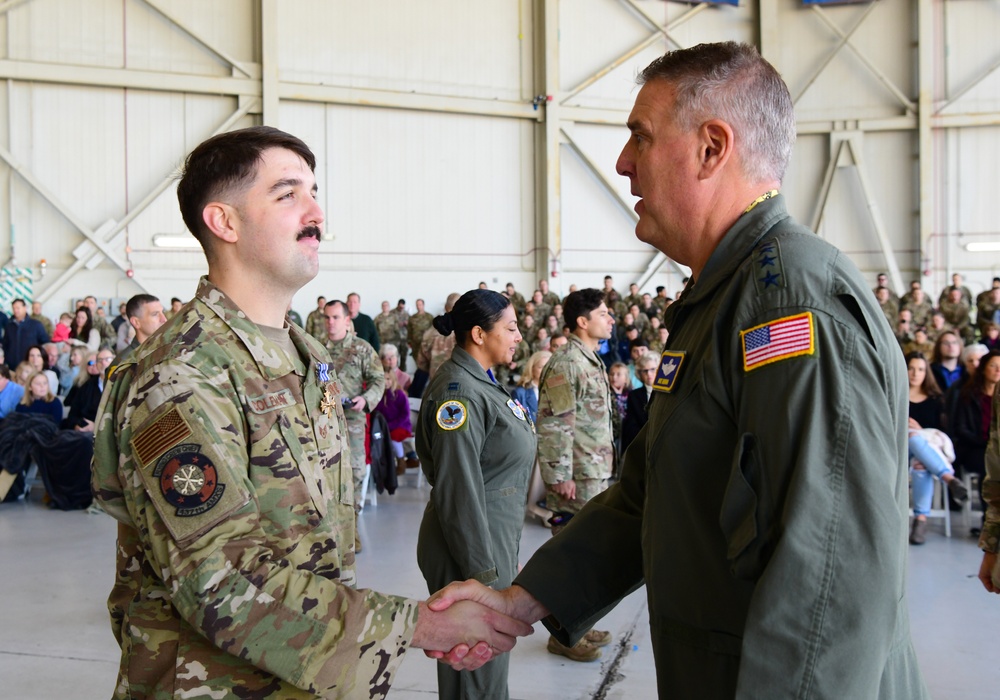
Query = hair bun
x=444 y=323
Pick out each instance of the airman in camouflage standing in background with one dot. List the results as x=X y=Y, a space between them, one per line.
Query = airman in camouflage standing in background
x=575 y=441
x=416 y=326
x=362 y=382
x=387 y=325
x=402 y=318
x=316 y=321
x=220 y=449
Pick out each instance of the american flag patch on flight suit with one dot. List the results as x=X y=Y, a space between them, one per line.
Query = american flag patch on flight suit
x=776 y=340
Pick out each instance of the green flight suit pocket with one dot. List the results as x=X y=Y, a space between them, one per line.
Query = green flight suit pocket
x=739 y=515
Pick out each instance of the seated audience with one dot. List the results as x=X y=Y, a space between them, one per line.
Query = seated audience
x=62 y=330
x=526 y=391
x=946 y=367
x=638 y=399
x=85 y=396
x=40 y=399
x=388 y=353
x=83 y=330
x=22 y=373
x=928 y=445
x=991 y=338
x=395 y=407
x=638 y=348
x=973 y=414
x=39 y=361
x=10 y=392
x=77 y=358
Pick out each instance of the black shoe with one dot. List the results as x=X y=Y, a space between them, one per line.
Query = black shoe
x=958 y=490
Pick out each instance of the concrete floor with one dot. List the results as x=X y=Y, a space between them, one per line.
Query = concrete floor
x=55 y=642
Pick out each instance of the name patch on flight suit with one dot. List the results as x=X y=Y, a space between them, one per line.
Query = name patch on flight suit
x=451 y=415
x=270 y=402
x=669 y=370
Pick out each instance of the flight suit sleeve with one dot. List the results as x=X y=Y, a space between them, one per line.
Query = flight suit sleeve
x=814 y=510
x=217 y=553
x=459 y=494
x=597 y=558
x=556 y=424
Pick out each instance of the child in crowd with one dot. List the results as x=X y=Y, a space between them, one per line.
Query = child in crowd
x=23 y=373
x=39 y=399
x=61 y=332
x=395 y=406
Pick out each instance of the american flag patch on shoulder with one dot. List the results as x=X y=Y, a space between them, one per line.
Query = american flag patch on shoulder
x=780 y=339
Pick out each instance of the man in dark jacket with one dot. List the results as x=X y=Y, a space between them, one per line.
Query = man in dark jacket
x=21 y=333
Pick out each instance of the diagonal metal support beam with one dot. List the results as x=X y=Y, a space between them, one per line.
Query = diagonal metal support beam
x=11 y=4
x=882 y=78
x=659 y=33
x=892 y=265
x=67 y=275
x=833 y=52
x=824 y=191
x=615 y=196
x=232 y=61
x=958 y=95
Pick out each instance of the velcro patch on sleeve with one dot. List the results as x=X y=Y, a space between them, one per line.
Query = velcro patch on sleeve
x=159 y=436
x=781 y=339
x=560 y=394
x=452 y=415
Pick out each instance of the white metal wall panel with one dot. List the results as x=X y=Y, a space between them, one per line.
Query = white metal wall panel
x=448 y=47
x=54 y=31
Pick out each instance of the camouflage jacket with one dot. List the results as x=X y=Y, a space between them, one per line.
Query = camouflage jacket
x=358 y=369
x=387 y=326
x=574 y=416
x=416 y=326
x=224 y=460
x=402 y=319
x=435 y=350
x=316 y=325
x=989 y=539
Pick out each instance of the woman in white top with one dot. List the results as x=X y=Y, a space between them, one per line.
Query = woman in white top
x=39 y=361
x=83 y=330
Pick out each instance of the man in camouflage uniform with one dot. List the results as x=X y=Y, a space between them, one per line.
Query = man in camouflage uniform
x=956 y=313
x=435 y=349
x=402 y=316
x=220 y=450
x=541 y=308
x=416 y=326
x=316 y=321
x=633 y=298
x=987 y=307
x=917 y=303
x=575 y=442
x=36 y=313
x=989 y=538
x=548 y=296
x=516 y=299
x=387 y=326
x=362 y=382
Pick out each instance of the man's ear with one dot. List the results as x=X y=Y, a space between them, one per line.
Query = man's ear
x=222 y=220
x=717 y=141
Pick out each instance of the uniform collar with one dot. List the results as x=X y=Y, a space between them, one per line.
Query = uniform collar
x=467 y=362
x=343 y=342
x=271 y=361
x=736 y=246
x=591 y=355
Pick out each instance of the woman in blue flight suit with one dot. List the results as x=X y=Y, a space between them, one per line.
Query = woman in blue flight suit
x=476 y=447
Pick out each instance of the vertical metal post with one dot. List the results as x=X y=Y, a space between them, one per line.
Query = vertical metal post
x=550 y=220
x=926 y=214
x=269 y=61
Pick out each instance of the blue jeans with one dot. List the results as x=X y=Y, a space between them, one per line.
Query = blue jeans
x=923 y=479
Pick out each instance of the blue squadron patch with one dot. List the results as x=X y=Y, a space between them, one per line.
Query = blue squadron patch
x=515 y=408
x=451 y=415
x=669 y=370
x=188 y=480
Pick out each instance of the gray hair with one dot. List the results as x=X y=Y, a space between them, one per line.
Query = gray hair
x=388 y=350
x=732 y=82
x=974 y=349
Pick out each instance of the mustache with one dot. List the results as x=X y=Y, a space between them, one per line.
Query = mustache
x=308 y=231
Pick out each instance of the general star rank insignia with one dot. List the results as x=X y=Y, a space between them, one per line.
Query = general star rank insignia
x=329 y=403
x=188 y=480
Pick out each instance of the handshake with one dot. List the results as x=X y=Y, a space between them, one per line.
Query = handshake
x=466 y=624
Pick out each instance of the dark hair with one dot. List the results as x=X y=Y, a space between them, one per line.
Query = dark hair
x=930 y=385
x=4 y=370
x=638 y=343
x=225 y=165
x=336 y=302
x=41 y=351
x=937 y=343
x=134 y=305
x=977 y=382
x=581 y=303
x=84 y=333
x=19 y=299
x=477 y=307
x=173 y=299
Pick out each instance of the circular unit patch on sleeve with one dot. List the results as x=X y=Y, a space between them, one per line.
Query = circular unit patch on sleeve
x=188 y=480
x=451 y=415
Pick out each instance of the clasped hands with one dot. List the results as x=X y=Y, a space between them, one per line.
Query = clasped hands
x=466 y=624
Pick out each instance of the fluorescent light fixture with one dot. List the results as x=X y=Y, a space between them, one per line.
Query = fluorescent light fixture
x=983 y=247
x=175 y=241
